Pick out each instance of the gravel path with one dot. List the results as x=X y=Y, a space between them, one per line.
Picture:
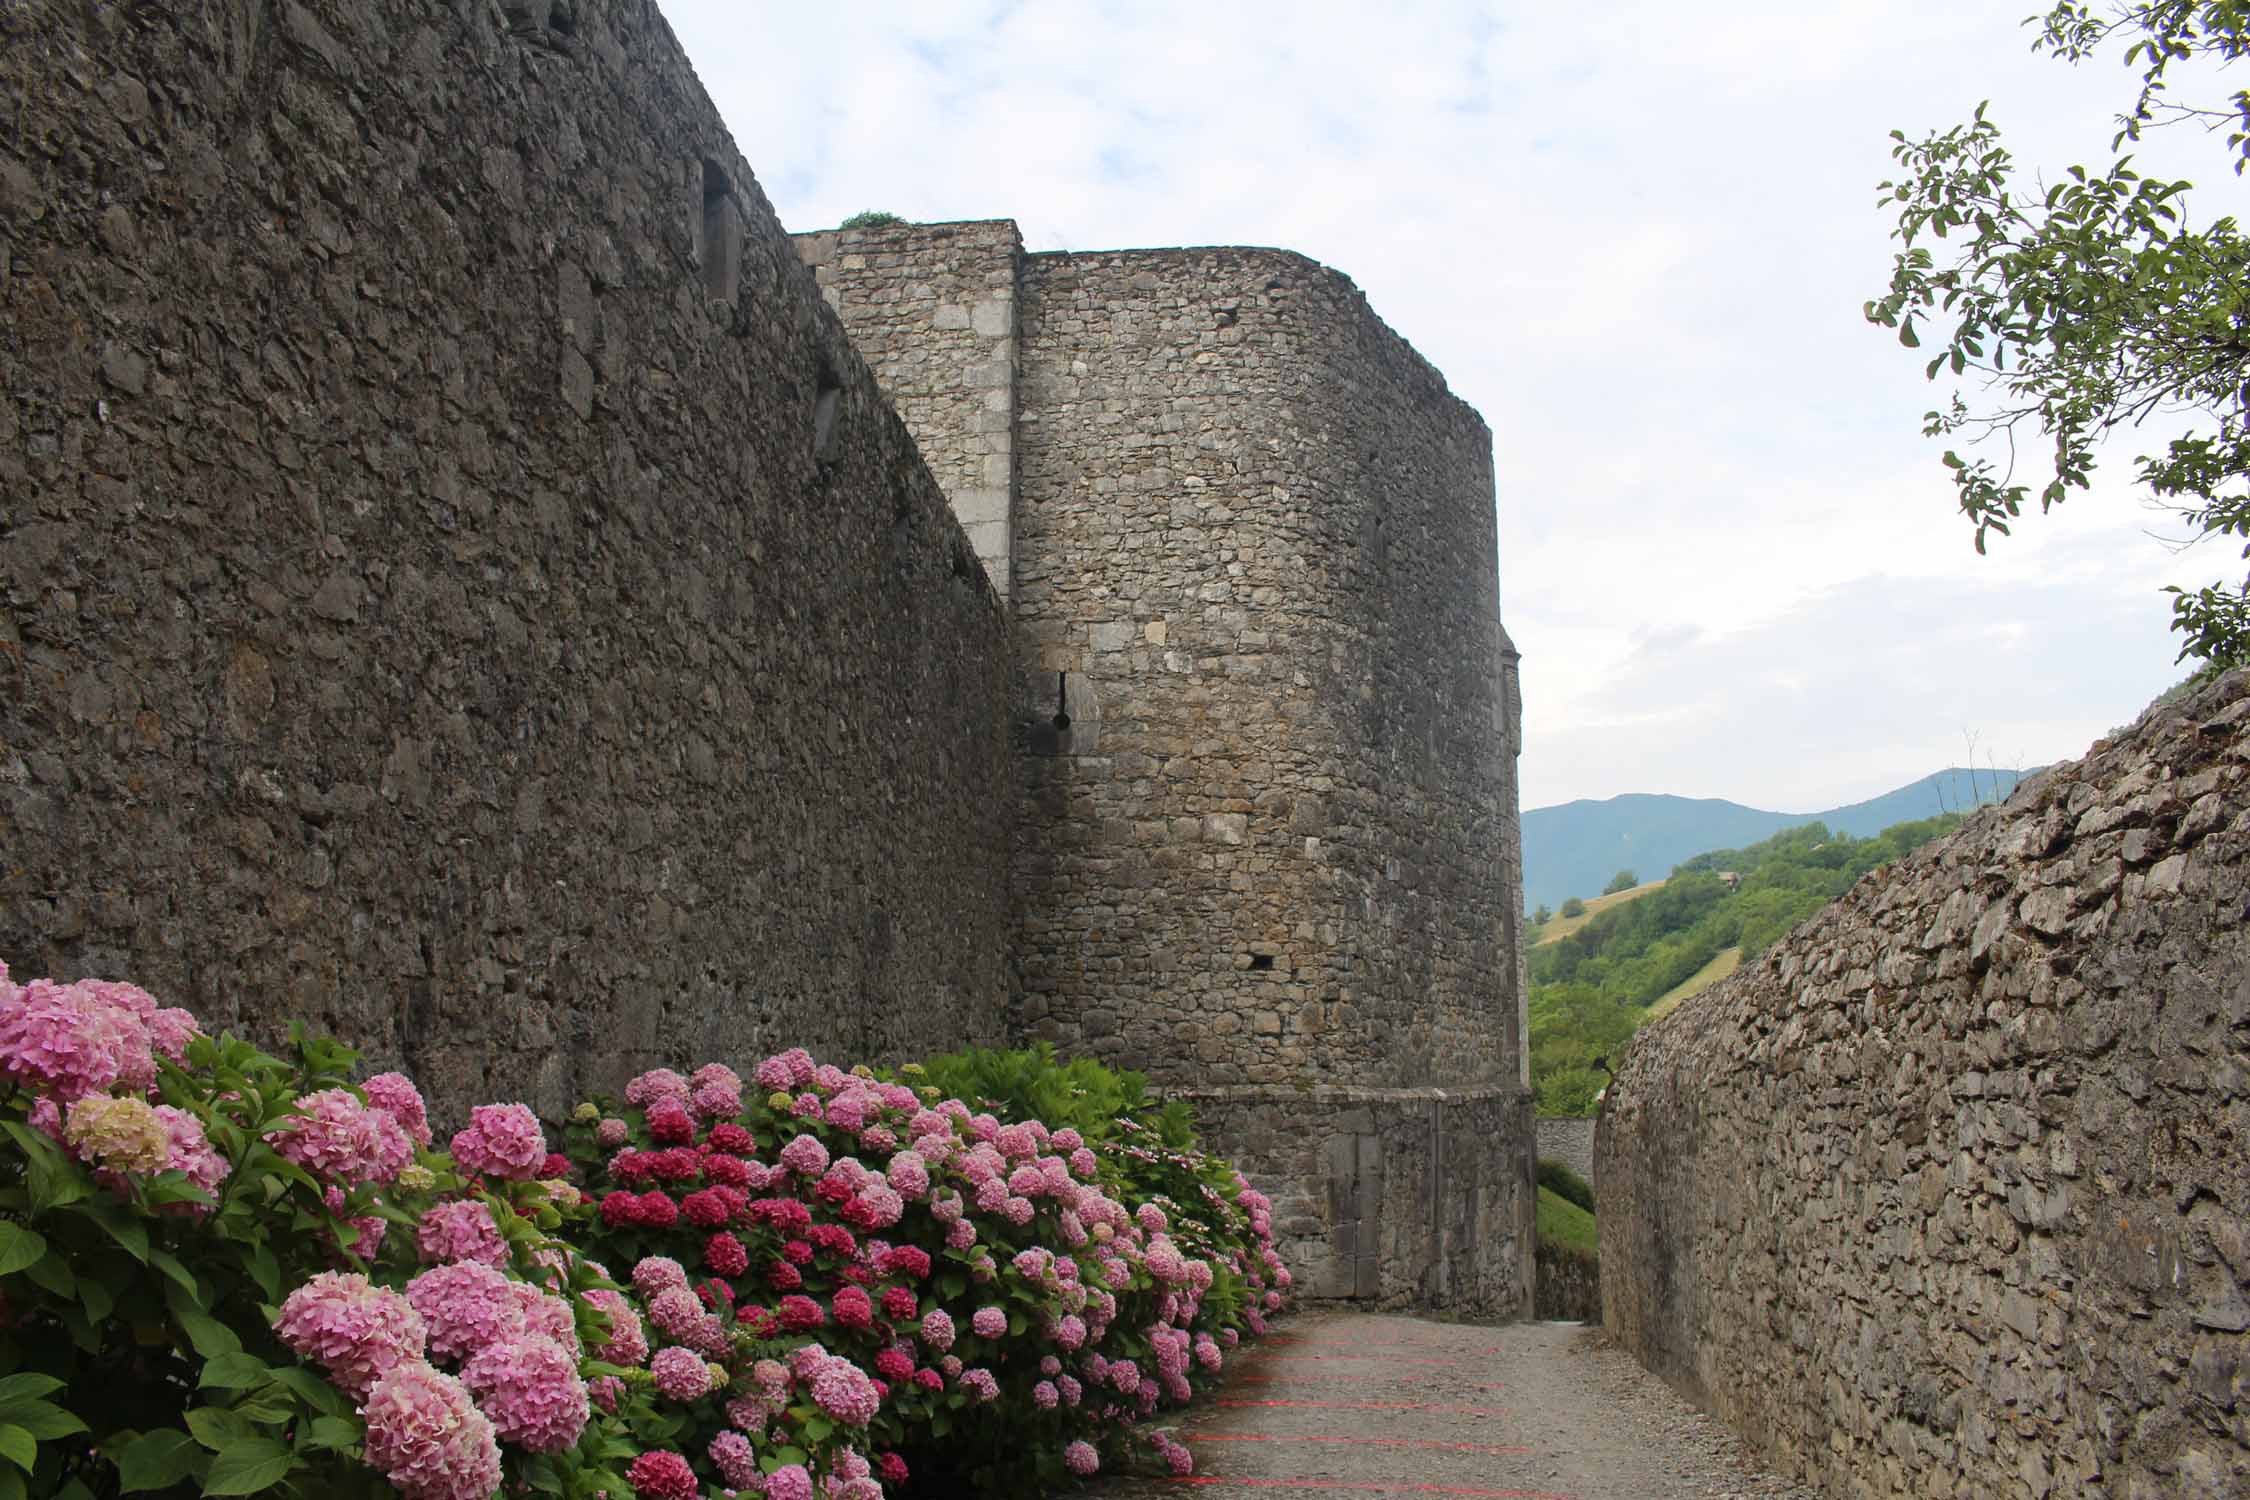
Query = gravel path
x=1352 y=1404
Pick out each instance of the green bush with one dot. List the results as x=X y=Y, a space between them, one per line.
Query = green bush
x=1558 y=1178
x=872 y=219
x=1574 y=907
x=1623 y=880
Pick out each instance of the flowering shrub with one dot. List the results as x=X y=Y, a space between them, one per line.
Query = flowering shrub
x=887 y=1283
x=242 y=1273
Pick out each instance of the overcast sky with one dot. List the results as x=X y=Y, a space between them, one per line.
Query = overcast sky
x=1637 y=237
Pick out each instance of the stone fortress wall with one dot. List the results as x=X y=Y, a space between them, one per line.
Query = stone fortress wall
x=458 y=584
x=1265 y=708
x=462 y=586
x=1949 y=1195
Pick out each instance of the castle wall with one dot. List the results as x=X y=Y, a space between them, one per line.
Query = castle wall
x=1255 y=574
x=458 y=585
x=1948 y=1195
x=932 y=307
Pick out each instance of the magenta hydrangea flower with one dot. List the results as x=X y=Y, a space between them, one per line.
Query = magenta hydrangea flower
x=937 y=1329
x=503 y=1140
x=354 y=1330
x=529 y=1387
x=340 y=1140
x=845 y=1392
x=466 y=1306
x=805 y=1156
x=736 y=1462
x=680 y=1373
x=460 y=1231
x=661 y=1475
x=656 y=1084
x=789 y=1482
x=628 y=1340
x=427 y=1436
x=396 y=1095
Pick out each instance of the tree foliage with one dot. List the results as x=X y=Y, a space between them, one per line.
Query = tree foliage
x=1623 y=880
x=2092 y=304
x=1590 y=991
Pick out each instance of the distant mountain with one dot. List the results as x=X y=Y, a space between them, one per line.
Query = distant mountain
x=1573 y=849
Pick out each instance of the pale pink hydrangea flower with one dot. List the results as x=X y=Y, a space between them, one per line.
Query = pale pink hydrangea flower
x=351 y=1328
x=657 y=1084
x=657 y=1273
x=908 y=1175
x=1080 y=1458
x=396 y=1095
x=789 y=1482
x=937 y=1329
x=732 y=1456
x=680 y=1374
x=845 y=1392
x=1044 y=1395
x=980 y=1383
x=611 y=1133
x=503 y=1140
x=466 y=1306
x=427 y=1436
x=628 y=1340
x=191 y=1151
x=529 y=1387
x=338 y=1139
x=805 y=1156
x=550 y=1317
x=961 y=1235
x=988 y=1323
x=459 y=1231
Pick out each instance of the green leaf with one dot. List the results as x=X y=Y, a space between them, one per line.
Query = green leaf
x=266 y=1272
x=123 y=1228
x=17 y=1447
x=817 y=1429
x=19 y=1247
x=42 y=1419
x=233 y=1372
x=338 y=1433
x=247 y=1466
x=210 y=1337
x=170 y=1265
x=309 y=1388
x=157 y=1460
x=99 y=1301
x=214 y=1427
x=11 y=1485
x=53 y=1272
x=27 y=1385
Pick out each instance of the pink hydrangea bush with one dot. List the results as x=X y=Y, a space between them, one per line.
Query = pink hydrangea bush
x=892 y=1284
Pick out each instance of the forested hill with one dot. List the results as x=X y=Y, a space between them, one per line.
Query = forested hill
x=1592 y=989
x=1573 y=849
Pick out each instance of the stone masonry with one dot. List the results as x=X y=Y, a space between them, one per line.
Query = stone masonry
x=1266 y=712
x=465 y=584
x=458 y=584
x=1949 y=1195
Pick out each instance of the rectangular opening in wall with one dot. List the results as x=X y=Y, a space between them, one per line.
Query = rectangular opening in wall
x=1261 y=961
x=719 y=243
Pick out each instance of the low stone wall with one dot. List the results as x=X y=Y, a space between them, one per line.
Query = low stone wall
x=1948 y=1195
x=1568 y=1285
x=1568 y=1141
x=1389 y=1197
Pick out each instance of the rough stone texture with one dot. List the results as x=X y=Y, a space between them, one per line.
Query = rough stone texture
x=1567 y=1285
x=458 y=585
x=1949 y=1195
x=1400 y=1197
x=1255 y=565
x=932 y=307
x=1568 y=1141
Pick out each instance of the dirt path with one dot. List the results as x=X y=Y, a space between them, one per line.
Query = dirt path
x=1350 y=1404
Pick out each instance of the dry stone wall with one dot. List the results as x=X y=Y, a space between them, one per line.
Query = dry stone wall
x=1262 y=691
x=1569 y=1141
x=932 y=307
x=458 y=584
x=1949 y=1196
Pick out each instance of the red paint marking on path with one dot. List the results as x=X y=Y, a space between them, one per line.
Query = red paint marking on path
x=1269 y=1437
x=1455 y=1411
x=1401 y=1487
x=1336 y=1377
x=1388 y=1359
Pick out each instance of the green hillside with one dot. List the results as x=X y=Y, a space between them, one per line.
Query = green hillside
x=1593 y=987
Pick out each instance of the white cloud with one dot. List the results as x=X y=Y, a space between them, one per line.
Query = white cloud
x=1636 y=236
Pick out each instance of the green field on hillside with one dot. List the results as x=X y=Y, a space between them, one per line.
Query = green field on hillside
x=1595 y=980
x=1564 y=1222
